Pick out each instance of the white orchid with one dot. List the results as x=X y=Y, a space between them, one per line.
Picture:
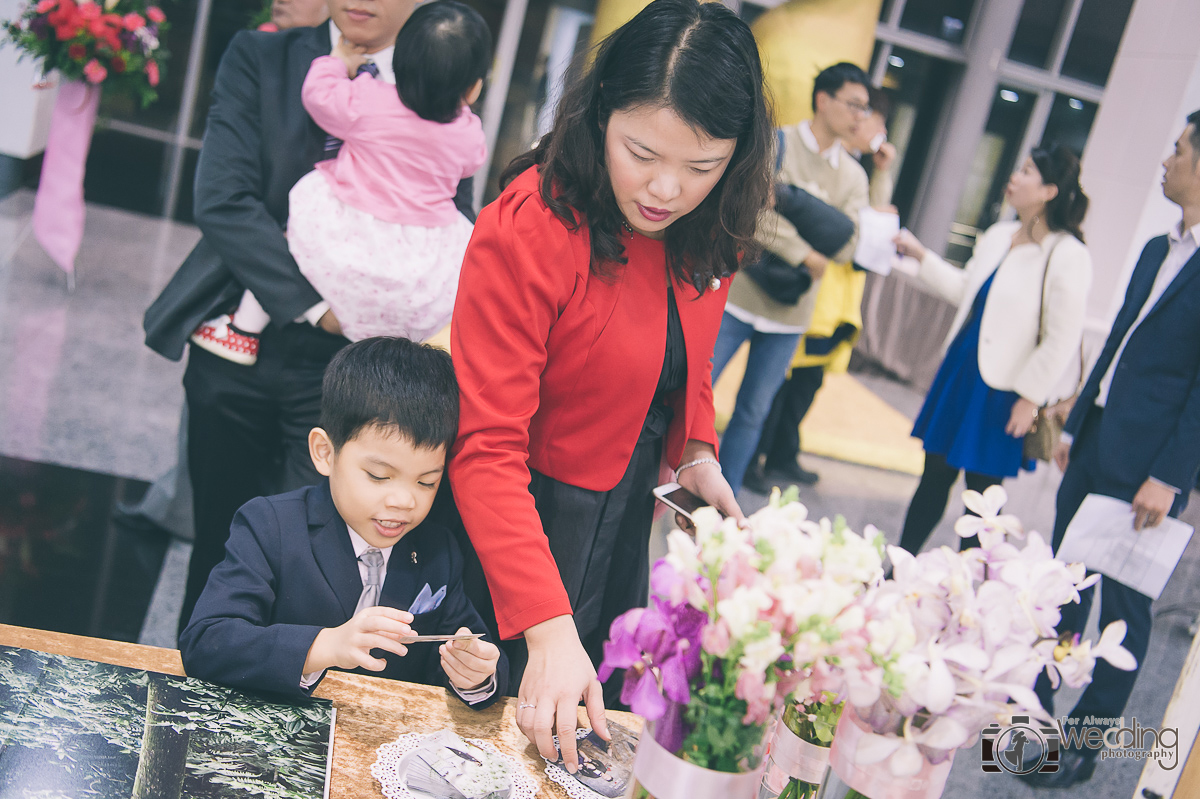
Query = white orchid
x=988 y=524
x=966 y=634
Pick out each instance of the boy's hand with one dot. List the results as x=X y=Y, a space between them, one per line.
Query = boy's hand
x=469 y=664
x=349 y=646
x=352 y=55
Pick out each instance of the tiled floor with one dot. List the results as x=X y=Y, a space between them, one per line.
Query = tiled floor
x=88 y=415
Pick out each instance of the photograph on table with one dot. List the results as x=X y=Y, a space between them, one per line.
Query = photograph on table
x=71 y=727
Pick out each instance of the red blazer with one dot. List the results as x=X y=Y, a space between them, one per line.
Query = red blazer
x=556 y=371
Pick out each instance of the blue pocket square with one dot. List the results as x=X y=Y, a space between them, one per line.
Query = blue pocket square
x=427 y=601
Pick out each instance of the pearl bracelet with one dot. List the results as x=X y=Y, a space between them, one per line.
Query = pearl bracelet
x=697 y=462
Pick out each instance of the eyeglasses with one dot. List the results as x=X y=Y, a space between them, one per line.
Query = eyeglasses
x=857 y=108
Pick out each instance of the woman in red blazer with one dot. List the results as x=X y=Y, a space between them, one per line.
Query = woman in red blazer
x=588 y=305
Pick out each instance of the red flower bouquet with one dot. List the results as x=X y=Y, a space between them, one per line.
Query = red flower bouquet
x=117 y=43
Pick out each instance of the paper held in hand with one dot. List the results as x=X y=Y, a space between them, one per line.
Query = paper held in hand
x=875 y=249
x=420 y=639
x=1101 y=536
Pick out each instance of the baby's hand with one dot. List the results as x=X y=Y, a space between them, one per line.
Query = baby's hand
x=468 y=664
x=352 y=55
x=349 y=646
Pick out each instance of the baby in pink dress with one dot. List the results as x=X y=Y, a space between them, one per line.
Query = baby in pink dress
x=376 y=230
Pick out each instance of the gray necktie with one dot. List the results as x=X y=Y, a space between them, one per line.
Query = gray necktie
x=369 y=597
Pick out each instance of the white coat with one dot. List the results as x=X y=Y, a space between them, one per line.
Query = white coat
x=1010 y=357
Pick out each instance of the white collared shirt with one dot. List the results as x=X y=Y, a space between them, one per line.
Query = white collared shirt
x=832 y=153
x=1183 y=245
x=382 y=59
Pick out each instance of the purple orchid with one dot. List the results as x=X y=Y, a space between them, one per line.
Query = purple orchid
x=659 y=647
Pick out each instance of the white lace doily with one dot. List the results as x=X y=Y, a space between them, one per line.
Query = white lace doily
x=563 y=778
x=386 y=768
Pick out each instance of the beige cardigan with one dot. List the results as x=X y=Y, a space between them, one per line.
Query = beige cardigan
x=844 y=187
x=1010 y=357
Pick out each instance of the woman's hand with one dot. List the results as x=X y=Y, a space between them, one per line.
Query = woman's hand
x=329 y=323
x=1021 y=420
x=907 y=244
x=706 y=481
x=558 y=675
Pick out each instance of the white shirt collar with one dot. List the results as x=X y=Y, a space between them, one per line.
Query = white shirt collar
x=361 y=546
x=382 y=59
x=1177 y=234
x=831 y=154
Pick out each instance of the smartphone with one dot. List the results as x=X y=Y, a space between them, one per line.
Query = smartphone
x=878 y=141
x=679 y=499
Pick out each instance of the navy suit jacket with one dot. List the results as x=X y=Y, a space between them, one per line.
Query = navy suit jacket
x=290 y=571
x=1151 y=421
x=258 y=142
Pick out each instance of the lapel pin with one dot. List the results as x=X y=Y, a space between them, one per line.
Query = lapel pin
x=414 y=557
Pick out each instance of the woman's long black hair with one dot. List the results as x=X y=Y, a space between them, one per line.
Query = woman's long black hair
x=1060 y=166
x=700 y=61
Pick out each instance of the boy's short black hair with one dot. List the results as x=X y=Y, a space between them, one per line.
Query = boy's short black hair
x=442 y=50
x=831 y=79
x=391 y=382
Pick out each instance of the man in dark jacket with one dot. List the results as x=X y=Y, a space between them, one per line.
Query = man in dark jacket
x=248 y=425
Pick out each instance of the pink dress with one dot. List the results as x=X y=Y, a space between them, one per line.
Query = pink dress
x=375 y=230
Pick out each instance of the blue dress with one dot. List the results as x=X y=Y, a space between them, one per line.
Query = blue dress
x=963 y=418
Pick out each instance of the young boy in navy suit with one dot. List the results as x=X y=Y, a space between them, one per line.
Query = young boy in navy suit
x=337 y=575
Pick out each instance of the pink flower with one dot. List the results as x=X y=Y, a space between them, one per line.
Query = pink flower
x=45 y=5
x=89 y=11
x=156 y=15
x=269 y=27
x=152 y=72
x=715 y=638
x=133 y=21
x=94 y=72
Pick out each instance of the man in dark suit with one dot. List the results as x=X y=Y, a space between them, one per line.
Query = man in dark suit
x=337 y=575
x=1134 y=433
x=248 y=424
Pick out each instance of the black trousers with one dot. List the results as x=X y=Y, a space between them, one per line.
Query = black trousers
x=600 y=541
x=1107 y=694
x=248 y=433
x=780 y=440
x=928 y=504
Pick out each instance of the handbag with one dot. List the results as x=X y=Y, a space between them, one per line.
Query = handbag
x=1043 y=437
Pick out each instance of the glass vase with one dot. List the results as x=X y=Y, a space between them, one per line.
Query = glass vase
x=796 y=758
x=698 y=752
x=846 y=779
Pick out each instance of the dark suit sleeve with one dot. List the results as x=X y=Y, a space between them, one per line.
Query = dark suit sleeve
x=229 y=639
x=1176 y=462
x=464 y=198
x=230 y=185
x=457 y=611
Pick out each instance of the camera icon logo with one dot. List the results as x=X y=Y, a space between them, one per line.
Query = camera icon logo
x=1024 y=746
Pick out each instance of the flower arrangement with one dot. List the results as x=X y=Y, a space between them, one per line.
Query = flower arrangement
x=740 y=619
x=114 y=42
x=982 y=626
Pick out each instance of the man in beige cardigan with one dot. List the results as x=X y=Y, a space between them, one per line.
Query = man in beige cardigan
x=815 y=160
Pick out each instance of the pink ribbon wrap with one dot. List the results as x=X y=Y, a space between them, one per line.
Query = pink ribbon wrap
x=666 y=776
x=875 y=780
x=58 y=209
x=791 y=757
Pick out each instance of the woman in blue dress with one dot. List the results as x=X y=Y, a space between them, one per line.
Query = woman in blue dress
x=1021 y=301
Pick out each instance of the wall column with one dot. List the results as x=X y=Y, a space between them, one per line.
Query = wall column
x=992 y=32
x=1155 y=84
